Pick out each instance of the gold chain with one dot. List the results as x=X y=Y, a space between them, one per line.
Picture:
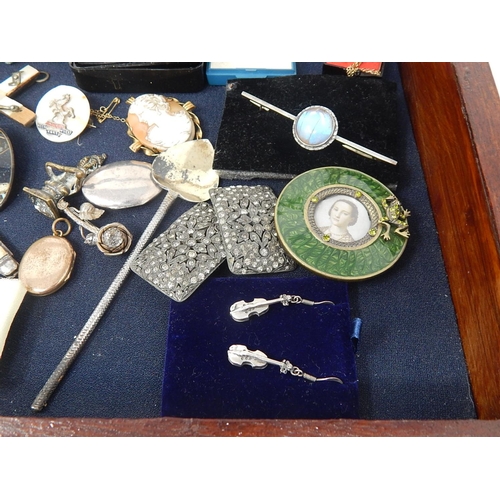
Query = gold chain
x=105 y=112
x=101 y=114
x=354 y=69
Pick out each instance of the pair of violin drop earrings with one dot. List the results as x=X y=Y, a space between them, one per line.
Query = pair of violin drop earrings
x=239 y=355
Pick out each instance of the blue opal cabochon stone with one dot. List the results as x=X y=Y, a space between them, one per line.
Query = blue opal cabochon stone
x=315 y=127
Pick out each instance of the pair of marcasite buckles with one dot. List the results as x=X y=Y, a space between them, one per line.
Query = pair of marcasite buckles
x=237 y=227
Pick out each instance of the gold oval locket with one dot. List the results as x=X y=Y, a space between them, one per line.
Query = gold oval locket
x=47 y=264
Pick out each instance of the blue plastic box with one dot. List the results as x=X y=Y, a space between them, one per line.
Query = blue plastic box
x=218 y=73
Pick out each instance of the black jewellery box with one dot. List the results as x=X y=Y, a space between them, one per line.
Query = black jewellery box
x=139 y=76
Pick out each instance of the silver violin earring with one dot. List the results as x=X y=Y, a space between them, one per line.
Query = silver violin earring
x=241 y=310
x=239 y=355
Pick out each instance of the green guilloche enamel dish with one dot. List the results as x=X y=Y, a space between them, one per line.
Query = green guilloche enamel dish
x=341 y=223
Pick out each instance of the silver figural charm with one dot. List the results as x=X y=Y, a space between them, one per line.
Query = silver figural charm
x=241 y=311
x=63 y=181
x=239 y=355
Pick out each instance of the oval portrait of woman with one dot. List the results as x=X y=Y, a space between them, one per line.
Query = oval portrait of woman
x=342 y=220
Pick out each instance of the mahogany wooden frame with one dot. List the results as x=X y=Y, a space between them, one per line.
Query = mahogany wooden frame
x=455 y=111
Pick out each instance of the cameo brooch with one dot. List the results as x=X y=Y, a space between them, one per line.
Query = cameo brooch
x=155 y=123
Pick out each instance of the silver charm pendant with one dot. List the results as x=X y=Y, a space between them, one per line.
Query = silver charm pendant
x=63 y=181
x=62 y=114
x=122 y=184
x=239 y=355
x=112 y=239
x=241 y=311
x=47 y=264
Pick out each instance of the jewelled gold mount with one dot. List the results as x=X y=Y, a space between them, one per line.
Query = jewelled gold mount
x=325 y=197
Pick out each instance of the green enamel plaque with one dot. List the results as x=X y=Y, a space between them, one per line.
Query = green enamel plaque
x=341 y=223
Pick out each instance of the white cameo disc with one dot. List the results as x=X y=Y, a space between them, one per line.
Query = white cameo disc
x=62 y=114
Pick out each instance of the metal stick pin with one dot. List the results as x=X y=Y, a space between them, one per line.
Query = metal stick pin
x=50 y=386
x=316 y=127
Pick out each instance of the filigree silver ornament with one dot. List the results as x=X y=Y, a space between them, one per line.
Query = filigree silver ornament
x=179 y=260
x=245 y=215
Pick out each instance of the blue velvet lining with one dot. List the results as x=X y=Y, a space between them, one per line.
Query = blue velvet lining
x=409 y=362
x=200 y=382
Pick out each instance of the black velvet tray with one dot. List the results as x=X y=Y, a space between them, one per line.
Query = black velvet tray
x=199 y=381
x=254 y=140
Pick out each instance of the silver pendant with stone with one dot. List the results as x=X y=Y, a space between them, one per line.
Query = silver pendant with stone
x=112 y=239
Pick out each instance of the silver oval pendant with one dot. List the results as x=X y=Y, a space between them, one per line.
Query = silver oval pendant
x=6 y=167
x=122 y=184
x=47 y=265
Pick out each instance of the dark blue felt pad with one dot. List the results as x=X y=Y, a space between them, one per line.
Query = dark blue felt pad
x=200 y=382
x=410 y=362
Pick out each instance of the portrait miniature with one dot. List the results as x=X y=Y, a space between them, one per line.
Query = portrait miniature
x=342 y=217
